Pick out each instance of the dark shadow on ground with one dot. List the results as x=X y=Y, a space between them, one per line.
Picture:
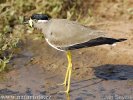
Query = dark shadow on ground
x=114 y=72
x=28 y=92
x=8 y=92
x=78 y=87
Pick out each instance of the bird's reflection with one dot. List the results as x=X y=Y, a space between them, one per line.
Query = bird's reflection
x=68 y=96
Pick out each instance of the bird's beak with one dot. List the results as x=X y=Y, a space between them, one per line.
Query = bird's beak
x=26 y=22
x=31 y=22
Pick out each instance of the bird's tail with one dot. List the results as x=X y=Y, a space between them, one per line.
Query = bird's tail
x=96 y=42
x=121 y=40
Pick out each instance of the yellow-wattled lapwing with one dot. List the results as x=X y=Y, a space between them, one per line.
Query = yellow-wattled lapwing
x=65 y=35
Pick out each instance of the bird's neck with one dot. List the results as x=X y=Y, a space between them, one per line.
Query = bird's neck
x=42 y=26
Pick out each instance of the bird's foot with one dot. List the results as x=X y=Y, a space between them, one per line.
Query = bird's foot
x=67 y=91
x=64 y=83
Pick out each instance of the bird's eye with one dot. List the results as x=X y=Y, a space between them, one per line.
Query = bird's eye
x=35 y=20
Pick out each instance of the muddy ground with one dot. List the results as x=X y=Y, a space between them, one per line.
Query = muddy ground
x=99 y=73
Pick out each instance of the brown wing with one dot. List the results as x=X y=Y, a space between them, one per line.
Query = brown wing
x=68 y=33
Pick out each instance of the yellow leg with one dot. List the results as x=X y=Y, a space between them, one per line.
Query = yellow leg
x=68 y=68
x=69 y=77
x=68 y=73
x=66 y=77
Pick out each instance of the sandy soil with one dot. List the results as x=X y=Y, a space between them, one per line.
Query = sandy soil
x=99 y=73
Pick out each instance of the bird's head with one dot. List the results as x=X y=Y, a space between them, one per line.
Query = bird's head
x=38 y=18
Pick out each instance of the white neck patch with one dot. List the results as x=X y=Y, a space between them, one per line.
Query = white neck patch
x=42 y=21
x=52 y=45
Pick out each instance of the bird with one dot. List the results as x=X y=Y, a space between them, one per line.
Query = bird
x=66 y=35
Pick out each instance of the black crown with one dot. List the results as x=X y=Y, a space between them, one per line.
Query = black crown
x=40 y=17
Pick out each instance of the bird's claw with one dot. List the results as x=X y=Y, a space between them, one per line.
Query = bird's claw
x=67 y=92
x=62 y=84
